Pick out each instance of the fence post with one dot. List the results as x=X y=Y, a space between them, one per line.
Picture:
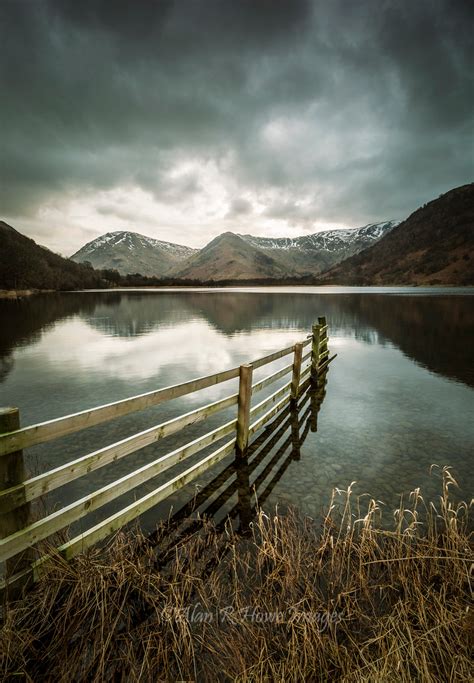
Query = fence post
x=12 y=472
x=243 y=413
x=295 y=380
x=315 y=352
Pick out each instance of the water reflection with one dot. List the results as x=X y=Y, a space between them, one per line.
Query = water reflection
x=248 y=481
x=391 y=409
x=433 y=331
x=24 y=321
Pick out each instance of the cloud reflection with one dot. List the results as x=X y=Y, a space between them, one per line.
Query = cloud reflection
x=186 y=350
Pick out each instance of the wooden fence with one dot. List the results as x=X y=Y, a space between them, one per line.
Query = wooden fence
x=239 y=479
x=19 y=534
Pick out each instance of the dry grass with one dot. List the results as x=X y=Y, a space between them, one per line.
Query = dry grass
x=347 y=600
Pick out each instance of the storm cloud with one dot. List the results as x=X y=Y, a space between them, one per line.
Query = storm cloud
x=182 y=119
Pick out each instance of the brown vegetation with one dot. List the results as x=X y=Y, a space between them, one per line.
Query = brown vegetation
x=16 y=293
x=433 y=246
x=344 y=600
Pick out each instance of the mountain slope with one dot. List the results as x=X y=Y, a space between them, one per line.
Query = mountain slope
x=229 y=256
x=232 y=256
x=435 y=245
x=130 y=252
x=313 y=254
x=26 y=265
x=354 y=239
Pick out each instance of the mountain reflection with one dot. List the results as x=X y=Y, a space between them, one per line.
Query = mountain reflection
x=434 y=331
x=24 y=321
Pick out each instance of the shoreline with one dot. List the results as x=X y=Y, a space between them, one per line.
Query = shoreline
x=22 y=293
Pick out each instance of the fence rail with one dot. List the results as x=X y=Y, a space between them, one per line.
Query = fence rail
x=19 y=535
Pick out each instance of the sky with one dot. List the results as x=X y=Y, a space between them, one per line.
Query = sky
x=184 y=119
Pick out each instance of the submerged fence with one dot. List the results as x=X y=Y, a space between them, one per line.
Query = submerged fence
x=19 y=534
x=243 y=478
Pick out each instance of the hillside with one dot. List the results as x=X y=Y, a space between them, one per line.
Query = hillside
x=233 y=256
x=26 y=265
x=130 y=252
x=433 y=246
x=229 y=256
x=319 y=251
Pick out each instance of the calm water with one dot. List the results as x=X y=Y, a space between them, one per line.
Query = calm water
x=399 y=396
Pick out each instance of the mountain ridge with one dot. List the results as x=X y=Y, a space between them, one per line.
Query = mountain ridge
x=244 y=256
x=132 y=252
x=234 y=255
x=371 y=230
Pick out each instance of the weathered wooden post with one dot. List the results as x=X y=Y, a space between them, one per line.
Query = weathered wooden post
x=295 y=380
x=243 y=412
x=315 y=352
x=12 y=472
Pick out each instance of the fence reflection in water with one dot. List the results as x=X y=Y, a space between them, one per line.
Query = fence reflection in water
x=247 y=482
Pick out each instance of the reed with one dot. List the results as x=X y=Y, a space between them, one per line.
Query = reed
x=349 y=598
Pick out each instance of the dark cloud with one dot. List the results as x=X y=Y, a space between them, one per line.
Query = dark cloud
x=360 y=110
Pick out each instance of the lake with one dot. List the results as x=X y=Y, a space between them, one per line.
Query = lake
x=399 y=396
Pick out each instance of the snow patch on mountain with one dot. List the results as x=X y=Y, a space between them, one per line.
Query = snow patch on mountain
x=328 y=240
x=133 y=240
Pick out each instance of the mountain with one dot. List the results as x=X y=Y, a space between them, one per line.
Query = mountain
x=332 y=241
x=229 y=256
x=26 y=265
x=433 y=246
x=234 y=256
x=130 y=252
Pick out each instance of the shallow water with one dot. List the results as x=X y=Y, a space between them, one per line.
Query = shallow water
x=399 y=396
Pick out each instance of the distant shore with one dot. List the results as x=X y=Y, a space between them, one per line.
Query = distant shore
x=22 y=293
x=18 y=293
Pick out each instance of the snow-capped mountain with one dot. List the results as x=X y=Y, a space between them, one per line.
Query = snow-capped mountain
x=232 y=256
x=329 y=240
x=130 y=252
